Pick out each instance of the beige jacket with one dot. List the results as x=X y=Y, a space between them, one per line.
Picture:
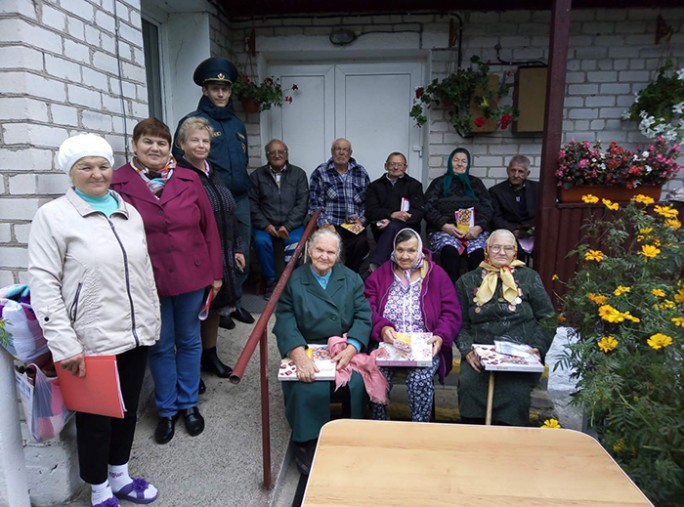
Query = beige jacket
x=91 y=280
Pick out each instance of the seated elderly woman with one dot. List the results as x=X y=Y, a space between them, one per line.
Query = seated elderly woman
x=501 y=299
x=457 y=189
x=322 y=299
x=411 y=294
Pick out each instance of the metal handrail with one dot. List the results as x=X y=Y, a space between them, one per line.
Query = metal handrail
x=260 y=335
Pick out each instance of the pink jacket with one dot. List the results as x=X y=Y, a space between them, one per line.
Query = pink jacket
x=182 y=237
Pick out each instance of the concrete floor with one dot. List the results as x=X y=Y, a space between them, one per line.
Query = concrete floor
x=223 y=465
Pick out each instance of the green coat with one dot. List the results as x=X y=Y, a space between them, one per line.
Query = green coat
x=490 y=321
x=307 y=313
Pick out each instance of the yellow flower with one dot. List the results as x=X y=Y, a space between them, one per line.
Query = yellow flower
x=679 y=297
x=613 y=206
x=643 y=199
x=658 y=293
x=673 y=222
x=619 y=445
x=666 y=211
x=621 y=290
x=610 y=314
x=629 y=316
x=598 y=299
x=649 y=252
x=590 y=198
x=554 y=277
x=551 y=423
x=678 y=321
x=593 y=255
x=666 y=305
x=659 y=340
x=607 y=343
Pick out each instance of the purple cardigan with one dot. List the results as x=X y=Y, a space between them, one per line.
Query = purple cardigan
x=438 y=302
x=182 y=237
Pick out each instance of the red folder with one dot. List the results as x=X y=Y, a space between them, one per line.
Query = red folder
x=99 y=392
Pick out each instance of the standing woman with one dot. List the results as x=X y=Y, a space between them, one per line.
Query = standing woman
x=186 y=256
x=194 y=139
x=92 y=289
x=455 y=190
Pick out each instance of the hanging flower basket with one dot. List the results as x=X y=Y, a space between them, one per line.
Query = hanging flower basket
x=249 y=105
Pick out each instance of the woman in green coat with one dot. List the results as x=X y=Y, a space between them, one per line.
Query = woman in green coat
x=501 y=299
x=322 y=299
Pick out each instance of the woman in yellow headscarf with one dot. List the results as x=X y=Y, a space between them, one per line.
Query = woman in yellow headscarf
x=501 y=300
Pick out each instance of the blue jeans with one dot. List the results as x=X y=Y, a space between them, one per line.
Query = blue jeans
x=263 y=245
x=244 y=220
x=175 y=358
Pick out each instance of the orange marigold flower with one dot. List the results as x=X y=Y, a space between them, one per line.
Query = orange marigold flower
x=659 y=341
x=673 y=223
x=593 y=255
x=658 y=293
x=607 y=343
x=621 y=290
x=643 y=199
x=598 y=299
x=649 y=252
x=678 y=321
x=612 y=206
x=679 y=297
x=666 y=211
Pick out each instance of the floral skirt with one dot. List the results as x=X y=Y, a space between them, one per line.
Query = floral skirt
x=440 y=239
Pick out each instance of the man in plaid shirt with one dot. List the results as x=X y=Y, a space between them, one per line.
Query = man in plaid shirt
x=338 y=188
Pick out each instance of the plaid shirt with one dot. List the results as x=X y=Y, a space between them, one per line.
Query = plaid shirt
x=340 y=199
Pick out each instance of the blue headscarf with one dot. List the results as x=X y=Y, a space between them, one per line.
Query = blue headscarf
x=463 y=178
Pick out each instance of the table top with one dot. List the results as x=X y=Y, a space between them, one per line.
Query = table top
x=391 y=463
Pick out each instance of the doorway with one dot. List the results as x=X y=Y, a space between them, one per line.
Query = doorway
x=365 y=102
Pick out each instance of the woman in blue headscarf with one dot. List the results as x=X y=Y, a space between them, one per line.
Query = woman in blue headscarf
x=457 y=190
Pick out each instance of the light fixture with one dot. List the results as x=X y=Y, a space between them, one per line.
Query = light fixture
x=342 y=37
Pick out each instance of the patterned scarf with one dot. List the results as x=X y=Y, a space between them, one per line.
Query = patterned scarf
x=490 y=280
x=155 y=180
x=418 y=264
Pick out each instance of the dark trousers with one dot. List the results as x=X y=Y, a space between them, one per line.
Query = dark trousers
x=106 y=440
x=451 y=261
x=384 y=241
x=354 y=246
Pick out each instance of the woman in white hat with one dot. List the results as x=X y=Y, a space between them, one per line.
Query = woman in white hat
x=92 y=288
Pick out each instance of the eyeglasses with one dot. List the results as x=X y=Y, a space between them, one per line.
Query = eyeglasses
x=277 y=152
x=396 y=164
x=505 y=248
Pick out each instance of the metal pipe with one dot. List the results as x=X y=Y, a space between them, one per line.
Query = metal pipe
x=265 y=411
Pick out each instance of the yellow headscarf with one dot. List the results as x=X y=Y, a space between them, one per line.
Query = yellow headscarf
x=489 y=282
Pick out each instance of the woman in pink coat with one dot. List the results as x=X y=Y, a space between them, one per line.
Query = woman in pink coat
x=186 y=258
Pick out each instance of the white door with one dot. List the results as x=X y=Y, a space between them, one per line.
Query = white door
x=367 y=103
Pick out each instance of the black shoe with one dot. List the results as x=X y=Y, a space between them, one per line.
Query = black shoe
x=202 y=387
x=226 y=322
x=165 y=430
x=194 y=422
x=242 y=315
x=212 y=364
x=269 y=290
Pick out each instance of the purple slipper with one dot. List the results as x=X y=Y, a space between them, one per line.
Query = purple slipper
x=135 y=492
x=110 y=502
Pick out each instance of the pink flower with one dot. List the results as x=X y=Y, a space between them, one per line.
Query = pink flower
x=583 y=163
x=420 y=91
x=505 y=121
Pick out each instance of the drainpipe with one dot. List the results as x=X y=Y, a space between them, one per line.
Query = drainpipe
x=12 y=463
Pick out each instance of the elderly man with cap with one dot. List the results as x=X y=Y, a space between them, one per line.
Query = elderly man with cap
x=228 y=154
x=90 y=277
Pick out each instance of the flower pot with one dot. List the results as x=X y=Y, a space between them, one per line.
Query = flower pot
x=615 y=194
x=249 y=105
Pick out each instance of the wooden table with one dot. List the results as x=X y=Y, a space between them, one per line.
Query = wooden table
x=383 y=463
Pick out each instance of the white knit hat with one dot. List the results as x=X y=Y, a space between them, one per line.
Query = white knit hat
x=83 y=145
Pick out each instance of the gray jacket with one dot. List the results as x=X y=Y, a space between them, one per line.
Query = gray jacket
x=286 y=205
x=91 y=279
